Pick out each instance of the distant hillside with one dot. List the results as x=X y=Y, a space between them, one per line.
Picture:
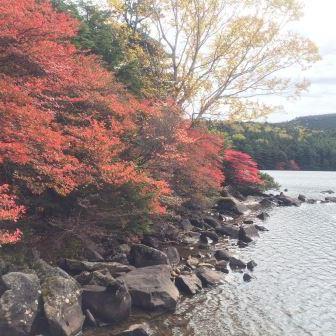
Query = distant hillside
x=320 y=122
x=307 y=143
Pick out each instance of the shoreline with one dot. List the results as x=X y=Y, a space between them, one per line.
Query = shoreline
x=120 y=298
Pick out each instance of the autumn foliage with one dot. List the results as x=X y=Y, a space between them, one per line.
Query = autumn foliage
x=69 y=131
x=240 y=168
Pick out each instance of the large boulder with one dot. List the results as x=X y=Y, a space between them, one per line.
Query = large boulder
x=222 y=255
x=18 y=303
x=142 y=256
x=231 y=206
x=111 y=303
x=188 y=284
x=284 y=200
x=77 y=266
x=151 y=288
x=211 y=235
x=61 y=295
x=228 y=230
x=208 y=276
x=263 y=216
x=331 y=199
x=248 y=233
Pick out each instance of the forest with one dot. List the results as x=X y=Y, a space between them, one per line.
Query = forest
x=103 y=112
x=286 y=146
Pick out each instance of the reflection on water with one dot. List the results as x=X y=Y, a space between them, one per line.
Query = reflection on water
x=294 y=289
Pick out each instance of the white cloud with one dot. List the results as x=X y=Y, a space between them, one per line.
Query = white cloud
x=318 y=25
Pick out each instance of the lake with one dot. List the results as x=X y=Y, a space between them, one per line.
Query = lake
x=293 y=291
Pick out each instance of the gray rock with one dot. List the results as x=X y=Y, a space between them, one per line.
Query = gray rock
x=302 y=198
x=247 y=277
x=173 y=255
x=223 y=255
x=151 y=288
x=248 y=233
x=18 y=303
x=231 y=205
x=261 y=228
x=236 y=264
x=151 y=241
x=208 y=276
x=142 y=256
x=229 y=230
x=251 y=265
x=222 y=266
x=263 y=216
x=77 y=266
x=62 y=305
x=311 y=201
x=284 y=200
x=111 y=303
x=188 y=284
x=137 y=330
x=331 y=199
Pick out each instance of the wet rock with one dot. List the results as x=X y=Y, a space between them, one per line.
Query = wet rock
x=77 y=266
x=311 y=201
x=61 y=296
x=203 y=239
x=223 y=255
x=302 y=198
x=247 y=277
x=137 y=330
x=263 y=216
x=331 y=199
x=151 y=288
x=188 y=284
x=142 y=256
x=248 y=233
x=111 y=303
x=248 y=221
x=229 y=230
x=208 y=276
x=251 y=265
x=231 y=205
x=236 y=264
x=173 y=255
x=222 y=266
x=267 y=202
x=261 y=228
x=284 y=200
x=18 y=303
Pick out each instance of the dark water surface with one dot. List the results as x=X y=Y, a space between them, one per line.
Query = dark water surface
x=294 y=289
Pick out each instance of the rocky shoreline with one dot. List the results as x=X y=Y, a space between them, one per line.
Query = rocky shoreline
x=149 y=276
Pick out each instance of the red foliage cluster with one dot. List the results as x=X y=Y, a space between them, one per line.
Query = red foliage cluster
x=9 y=211
x=64 y=120
x=187 y=157
x=240 y=169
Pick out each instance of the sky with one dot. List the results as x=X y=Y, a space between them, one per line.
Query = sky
x=318 y=24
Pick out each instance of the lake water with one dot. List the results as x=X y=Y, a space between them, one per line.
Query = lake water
x=293 y=291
